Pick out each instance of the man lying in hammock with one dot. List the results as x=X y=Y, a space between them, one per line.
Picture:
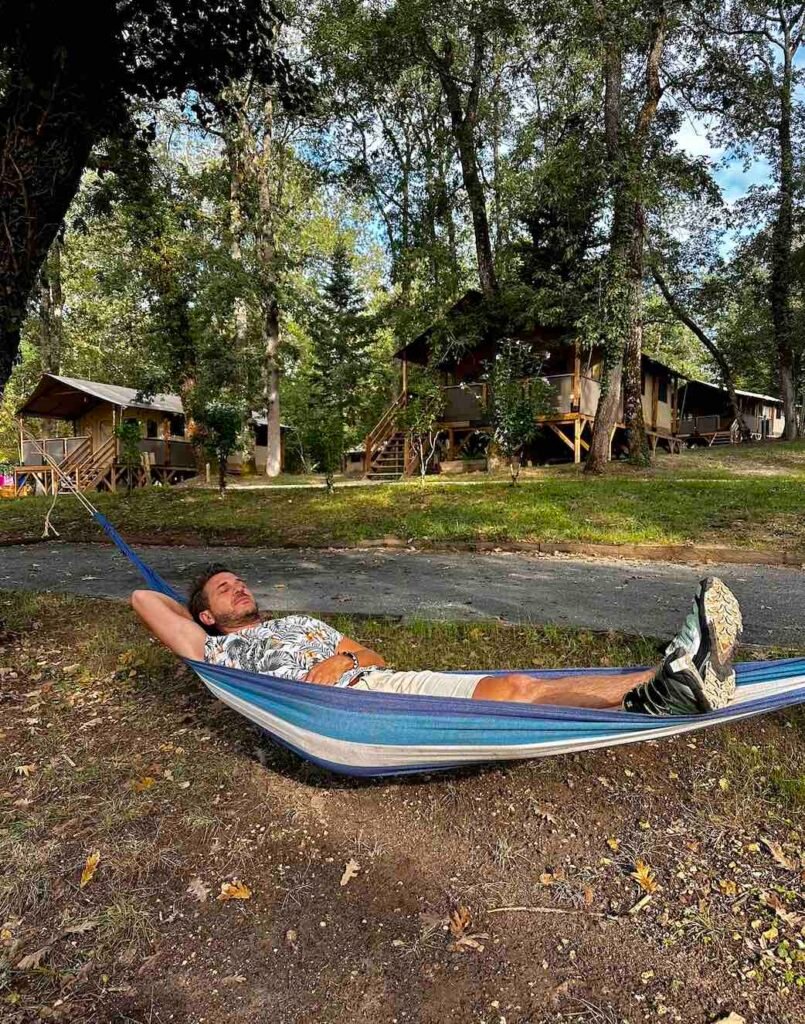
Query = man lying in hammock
x=222 y=625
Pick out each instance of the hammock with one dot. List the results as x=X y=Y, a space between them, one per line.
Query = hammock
x=360 y=733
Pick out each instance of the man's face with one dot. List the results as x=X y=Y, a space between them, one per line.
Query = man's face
x=231 y=604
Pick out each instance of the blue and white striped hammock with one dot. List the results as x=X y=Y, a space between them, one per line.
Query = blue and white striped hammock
x=360 y=733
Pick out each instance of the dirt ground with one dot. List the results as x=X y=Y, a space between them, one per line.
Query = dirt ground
x=662 y=880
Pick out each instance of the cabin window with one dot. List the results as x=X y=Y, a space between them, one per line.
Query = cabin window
x=151 y=428
x=177 y=426
x=662 y=389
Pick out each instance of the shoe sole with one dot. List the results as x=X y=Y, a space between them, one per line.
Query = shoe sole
x=723 y=623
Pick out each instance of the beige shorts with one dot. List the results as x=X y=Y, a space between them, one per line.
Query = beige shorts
x=430 y=684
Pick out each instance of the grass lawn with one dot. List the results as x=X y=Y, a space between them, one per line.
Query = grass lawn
x=747 y=497
x=112 y=748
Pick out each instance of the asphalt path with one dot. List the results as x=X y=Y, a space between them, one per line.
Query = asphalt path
x=639 y=598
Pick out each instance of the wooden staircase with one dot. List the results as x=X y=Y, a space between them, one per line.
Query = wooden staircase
x=385 y=446
x=388 y=459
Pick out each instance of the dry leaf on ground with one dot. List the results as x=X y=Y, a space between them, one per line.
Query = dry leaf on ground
x=644 y=876
x=198 y=890
x=89 y=868
x=81 y=926
x=460 y=921
x=234 y=890
x=141 y=785
x=779 y=855
x=351 y=869
x=772 y=900
x=734 y=1018
x=25 y=770
x=33 y=960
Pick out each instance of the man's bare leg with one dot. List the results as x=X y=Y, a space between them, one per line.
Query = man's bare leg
x=580 y=691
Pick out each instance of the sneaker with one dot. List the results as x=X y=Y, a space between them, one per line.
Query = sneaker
x=702 y=655
x=679 y=689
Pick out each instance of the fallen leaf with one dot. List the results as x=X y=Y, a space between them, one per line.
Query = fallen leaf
x=81 y=926
x=780 y=909
x=141 y=785
x=771 y=934
x=351 y=869
x=89 y=868
x=469 y=942
x=728 y=887
x=780 y=857
x=198 y=890
x=25 y=770
x=184 y=785
x=33 y=960
x=460 y=921
x=588 y=896
x=148 y=964
x=734 y=1018
x=233 y=979
x=234 y=890
x=291 y=937
x=614 y=844
x=644 y=876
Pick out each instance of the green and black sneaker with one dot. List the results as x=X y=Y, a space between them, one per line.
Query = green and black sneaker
x=697 y=675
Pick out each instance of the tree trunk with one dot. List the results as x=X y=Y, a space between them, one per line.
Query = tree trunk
x=633 y=420
x=782 y=235
x=606 y=416
x=606 y=413
x=266 y=244
x=45 y=141
x=464 y=123
x=723 y=366
x=51 y=305
x=234 y=153
x=271 y=394
x=222 y=464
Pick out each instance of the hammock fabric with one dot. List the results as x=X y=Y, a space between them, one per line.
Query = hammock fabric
x=360 y=733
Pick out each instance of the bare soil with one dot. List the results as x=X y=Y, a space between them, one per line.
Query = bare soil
x=110 y=746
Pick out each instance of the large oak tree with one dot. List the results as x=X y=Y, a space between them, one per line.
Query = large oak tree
x=67 y=82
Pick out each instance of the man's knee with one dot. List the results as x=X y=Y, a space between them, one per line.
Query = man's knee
x=514 y=686
x=522 y=687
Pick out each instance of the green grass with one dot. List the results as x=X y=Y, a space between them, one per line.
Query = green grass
x=746 y=497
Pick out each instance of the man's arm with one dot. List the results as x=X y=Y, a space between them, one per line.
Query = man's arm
x=170 y=622
x=331 y=669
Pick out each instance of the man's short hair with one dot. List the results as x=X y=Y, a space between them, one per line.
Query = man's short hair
x=197 y=601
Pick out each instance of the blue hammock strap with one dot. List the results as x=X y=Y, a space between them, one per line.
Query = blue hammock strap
x=151 y=577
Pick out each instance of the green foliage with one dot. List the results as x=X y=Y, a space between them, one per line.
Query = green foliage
x=420 y=417
x=517 y=395
x=220 y=423
x=128 y=434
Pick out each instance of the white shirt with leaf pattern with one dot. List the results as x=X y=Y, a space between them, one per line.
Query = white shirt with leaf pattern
x=287 y=648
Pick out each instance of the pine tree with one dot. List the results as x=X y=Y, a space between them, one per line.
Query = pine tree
x=340 y=363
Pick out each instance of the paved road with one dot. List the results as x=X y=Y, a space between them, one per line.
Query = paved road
x=646 y=598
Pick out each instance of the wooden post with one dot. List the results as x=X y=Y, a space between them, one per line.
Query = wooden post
x=405 y=379
x=22 y=457
x=576 y=400
x=577 y=441
x=655 y=397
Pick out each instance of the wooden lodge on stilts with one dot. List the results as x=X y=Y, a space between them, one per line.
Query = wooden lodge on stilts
x=88 y=450
x=573 y=373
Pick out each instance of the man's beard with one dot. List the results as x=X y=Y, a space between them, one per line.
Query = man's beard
x=247 y=616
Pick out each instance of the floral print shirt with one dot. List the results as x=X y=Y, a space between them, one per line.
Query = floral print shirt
x=287 y=647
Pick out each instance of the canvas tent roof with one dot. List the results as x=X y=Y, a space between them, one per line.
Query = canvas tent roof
x=68 y=398
x=738 y=391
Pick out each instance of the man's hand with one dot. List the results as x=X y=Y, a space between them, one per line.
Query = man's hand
x=329 y=671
